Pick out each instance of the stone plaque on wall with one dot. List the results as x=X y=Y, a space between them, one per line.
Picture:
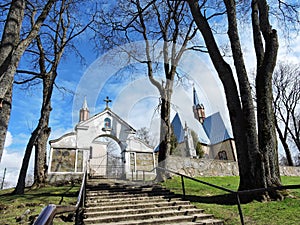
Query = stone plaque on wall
x=144 y=161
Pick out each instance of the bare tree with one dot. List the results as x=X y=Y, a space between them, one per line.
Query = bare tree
x=12 y=47
x=47 y=51
x=144 y=135
x=168 y=21
x=286 y=84
x=256 y=149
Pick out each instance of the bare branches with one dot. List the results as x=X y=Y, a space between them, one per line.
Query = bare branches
x=290 y=11
x=287 y=102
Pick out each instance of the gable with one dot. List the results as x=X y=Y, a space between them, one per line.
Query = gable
x=215 y=129
x=106 y=119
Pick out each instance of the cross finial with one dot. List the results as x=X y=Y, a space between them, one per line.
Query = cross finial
x=107 y=100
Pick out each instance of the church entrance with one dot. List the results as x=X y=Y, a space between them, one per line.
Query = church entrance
x=105 y=158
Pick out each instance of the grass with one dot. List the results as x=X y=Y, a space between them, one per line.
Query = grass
x=212 y=200
x=284 y=212
x=33 y=201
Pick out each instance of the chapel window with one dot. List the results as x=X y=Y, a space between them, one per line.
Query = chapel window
x=107 y=123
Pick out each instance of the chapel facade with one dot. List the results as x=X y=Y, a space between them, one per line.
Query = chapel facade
x=104 y=144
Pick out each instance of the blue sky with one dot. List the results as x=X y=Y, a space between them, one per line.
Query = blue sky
x=134 y=99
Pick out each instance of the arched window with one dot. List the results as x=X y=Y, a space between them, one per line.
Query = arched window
x=222 y=155
x=107 y=123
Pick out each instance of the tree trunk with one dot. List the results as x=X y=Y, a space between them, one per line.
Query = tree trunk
x=256 y=166
x=285 y=145
x=41 y=143
x=248 y=178
x=4 y=118
x=257 y=154
x=40 y=168
x=267 y=132
x=165 y=131
x=33 y=140
x=9 y=41
x=22 y=175
x=38 y=138
x=266 y=54
x=12 y=49
x=11 y=33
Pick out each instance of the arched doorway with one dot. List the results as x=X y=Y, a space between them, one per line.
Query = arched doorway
x=106 y=158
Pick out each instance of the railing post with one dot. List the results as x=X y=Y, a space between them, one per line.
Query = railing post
x=240 y=208
x=183 y=188
x=132 y=175
x=143 y=175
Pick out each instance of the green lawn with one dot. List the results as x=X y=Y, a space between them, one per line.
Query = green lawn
x=267 y=213
x=258 y=213
x=33 y=201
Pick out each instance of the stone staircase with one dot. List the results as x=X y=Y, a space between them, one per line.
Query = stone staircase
x=123 y=203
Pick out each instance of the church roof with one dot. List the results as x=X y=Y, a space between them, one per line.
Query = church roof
x=178 y=128
x=212 y=131
x=215 y=129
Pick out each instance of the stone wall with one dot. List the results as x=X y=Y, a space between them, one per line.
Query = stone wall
x=207 y=167
x=56 y=178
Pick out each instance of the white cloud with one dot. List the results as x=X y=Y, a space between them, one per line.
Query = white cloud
x=12 y=161
x=58 y=132
x=8 y=139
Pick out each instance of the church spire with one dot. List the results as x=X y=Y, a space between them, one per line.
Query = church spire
x=198 y=109
x=84 y=112
x=195 y=97
x=84 y=105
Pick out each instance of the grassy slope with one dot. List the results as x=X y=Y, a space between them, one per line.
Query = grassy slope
x=269 y=213
x=258 y=213
x=13 y=206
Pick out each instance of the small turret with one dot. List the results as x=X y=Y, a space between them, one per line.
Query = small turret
x=84 y=113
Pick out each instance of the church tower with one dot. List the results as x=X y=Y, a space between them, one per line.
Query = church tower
x=84 y=112
x=198 y=109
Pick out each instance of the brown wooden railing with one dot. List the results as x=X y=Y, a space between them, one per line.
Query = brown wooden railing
x=50 y=211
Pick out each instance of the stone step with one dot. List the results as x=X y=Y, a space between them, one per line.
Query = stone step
x=187 y=209
x=114 y=185
x=101 y=185
x=132 y=201
x=127 y=191
x=169 y=221
x=140 y=205
x=121 y=203
x=166 y=215
x=130 y=195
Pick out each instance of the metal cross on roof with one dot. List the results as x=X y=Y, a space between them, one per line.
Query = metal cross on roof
x=107 y=100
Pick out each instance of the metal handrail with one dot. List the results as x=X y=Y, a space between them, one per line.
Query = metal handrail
x=236 y=193
x=50 y=211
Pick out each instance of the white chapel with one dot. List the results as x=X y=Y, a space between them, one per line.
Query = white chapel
x=104 y=144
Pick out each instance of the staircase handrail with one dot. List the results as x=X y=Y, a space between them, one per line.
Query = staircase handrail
x=50 y=211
